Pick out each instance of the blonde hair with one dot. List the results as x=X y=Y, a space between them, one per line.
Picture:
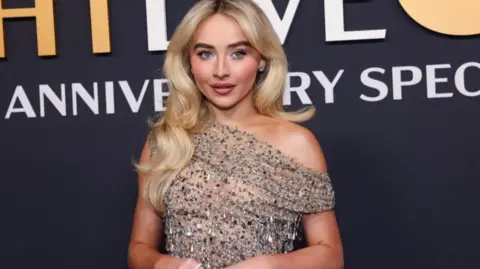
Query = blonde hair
x=186 y=112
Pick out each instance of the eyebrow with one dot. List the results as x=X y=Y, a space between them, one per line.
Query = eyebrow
x=233 y=45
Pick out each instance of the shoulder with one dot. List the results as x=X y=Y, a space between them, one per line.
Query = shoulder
x=301 y=144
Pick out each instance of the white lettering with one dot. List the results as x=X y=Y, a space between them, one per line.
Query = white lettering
x=157 y=25
x=109 y=98
x=90 y=101
x=127 y=92
x=328 y=85
x=335 y=25
x=398 y=81
x=59 y=103
x=374 y=84
x=460 y=79
x=281 y=26
x=432 y=81
x=159 y=94
x=300 y=90
x=26 y=108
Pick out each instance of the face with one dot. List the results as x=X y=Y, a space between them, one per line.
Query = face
x=223 y=63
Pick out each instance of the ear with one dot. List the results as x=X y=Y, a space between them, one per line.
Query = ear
x=261 y=66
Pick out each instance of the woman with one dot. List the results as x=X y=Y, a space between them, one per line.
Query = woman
x=226 y=177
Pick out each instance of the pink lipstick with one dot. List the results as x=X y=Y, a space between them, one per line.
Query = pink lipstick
x=222 y=88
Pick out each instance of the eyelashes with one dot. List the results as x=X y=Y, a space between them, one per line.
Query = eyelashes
x=239 y=54
x=204 y=54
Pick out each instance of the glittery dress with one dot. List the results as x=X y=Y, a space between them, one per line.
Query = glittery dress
x=239 y=197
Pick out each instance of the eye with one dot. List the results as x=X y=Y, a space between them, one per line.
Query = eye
x=239 y=54
x=204 y=54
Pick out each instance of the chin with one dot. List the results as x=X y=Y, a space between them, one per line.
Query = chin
x=223 y=104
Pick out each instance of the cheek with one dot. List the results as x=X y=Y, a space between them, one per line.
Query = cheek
x=246 y=72
x=200 y=70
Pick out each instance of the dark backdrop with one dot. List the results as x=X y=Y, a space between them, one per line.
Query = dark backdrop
x=405 y=166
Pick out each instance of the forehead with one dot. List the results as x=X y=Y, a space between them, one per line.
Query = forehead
x=219 y=30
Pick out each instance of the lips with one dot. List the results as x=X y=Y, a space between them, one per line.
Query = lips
x=222 y=88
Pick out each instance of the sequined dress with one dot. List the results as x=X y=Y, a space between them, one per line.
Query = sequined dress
x=239 y=197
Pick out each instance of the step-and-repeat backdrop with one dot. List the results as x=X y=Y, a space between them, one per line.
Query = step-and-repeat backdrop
x=396 y=85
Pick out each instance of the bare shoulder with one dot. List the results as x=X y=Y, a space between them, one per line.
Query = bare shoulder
x=301 y=144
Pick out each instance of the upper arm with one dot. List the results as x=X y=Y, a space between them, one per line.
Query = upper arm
x=320 y=228
x=147 y=223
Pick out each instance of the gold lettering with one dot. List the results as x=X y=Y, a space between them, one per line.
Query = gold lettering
x=100 y=26
x=43 y=14
x=454 y=17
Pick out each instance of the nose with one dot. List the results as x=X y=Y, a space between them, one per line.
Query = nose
x=221 y=68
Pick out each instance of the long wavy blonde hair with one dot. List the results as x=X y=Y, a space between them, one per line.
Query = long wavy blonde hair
x=186 y=112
